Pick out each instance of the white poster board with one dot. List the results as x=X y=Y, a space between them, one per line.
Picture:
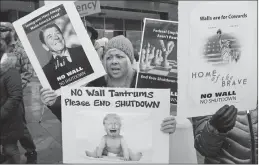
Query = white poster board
x=53 y=31
x=139 y=112
x=218 y=46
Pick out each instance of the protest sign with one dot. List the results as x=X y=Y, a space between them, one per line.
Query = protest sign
x=84 y=8
x=219 y=66
x=127 y=120
x=50 y=36
x=158 y=59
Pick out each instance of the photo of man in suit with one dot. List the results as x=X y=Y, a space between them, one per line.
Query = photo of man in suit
x=63 y=59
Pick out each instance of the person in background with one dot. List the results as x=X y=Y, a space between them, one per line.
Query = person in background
x=11 y=117
x=14 y=46
x=117 y=61
x=227 y=136
x=25 y=69
x=92 y=33
x=100 y=45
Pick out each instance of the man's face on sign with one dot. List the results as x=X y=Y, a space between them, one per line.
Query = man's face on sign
x=54 y=40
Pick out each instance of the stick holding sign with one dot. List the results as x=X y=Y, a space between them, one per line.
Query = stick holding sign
x=114 y=125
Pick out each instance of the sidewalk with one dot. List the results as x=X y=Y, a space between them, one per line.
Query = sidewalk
x=47 y=134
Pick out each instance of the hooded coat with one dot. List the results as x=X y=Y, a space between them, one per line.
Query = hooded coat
x=238 y=146
x=11 y=120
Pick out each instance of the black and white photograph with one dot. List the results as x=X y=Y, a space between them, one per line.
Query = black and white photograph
x=116 y=137
x=114 y=125
x=58 y=49
x=159 y=48
x=138 y=82
x=158 y=57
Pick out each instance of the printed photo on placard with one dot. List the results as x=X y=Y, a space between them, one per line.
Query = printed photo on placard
x=115 y=137
x=108 y=125
x=221 y=60
x=158 y=59
x=57 y=47
x=222 y=48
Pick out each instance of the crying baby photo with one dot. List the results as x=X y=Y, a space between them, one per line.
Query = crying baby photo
x=102 y=136
x=113 y=143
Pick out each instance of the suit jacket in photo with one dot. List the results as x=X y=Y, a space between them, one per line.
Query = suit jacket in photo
x=79 y=59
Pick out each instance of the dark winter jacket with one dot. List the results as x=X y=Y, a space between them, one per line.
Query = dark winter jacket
x=238 y=146
x=100 y=82
x=23 y=64
x=11 y=121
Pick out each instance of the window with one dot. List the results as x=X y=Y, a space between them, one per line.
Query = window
x=97 y=22
x=113 y=24
x=133 y=24
x=112 y=33
x=22 y=14
x=4 y=15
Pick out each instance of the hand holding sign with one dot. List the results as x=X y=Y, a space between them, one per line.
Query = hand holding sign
x=168 y=125
x=224 y=119
x=48 y=97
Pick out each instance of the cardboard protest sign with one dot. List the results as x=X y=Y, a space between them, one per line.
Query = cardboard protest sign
x=59 y=55
x=126 y=120
x=158 y=59
x=84 y=8
x=219 y=66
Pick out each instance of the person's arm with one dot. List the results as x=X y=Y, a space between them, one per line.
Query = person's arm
x=14 y=92
x=125 y=150
x=56 y=108
x=50 y=99
x=101 y=147
x=207 y=140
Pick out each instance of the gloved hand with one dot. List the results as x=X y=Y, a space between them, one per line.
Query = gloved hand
x=224 y=119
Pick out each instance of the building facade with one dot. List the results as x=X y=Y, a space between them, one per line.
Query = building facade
x=126 y=17
x=11 y=10
x=116 y=17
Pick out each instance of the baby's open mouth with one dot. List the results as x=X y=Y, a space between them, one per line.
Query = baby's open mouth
x=113 y=130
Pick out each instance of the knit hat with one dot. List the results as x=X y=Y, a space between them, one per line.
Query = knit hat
x=123 y=44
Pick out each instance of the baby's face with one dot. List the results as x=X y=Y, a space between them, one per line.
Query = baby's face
x=112 y=127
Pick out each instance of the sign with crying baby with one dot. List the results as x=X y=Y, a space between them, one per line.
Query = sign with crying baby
x=114 y=125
